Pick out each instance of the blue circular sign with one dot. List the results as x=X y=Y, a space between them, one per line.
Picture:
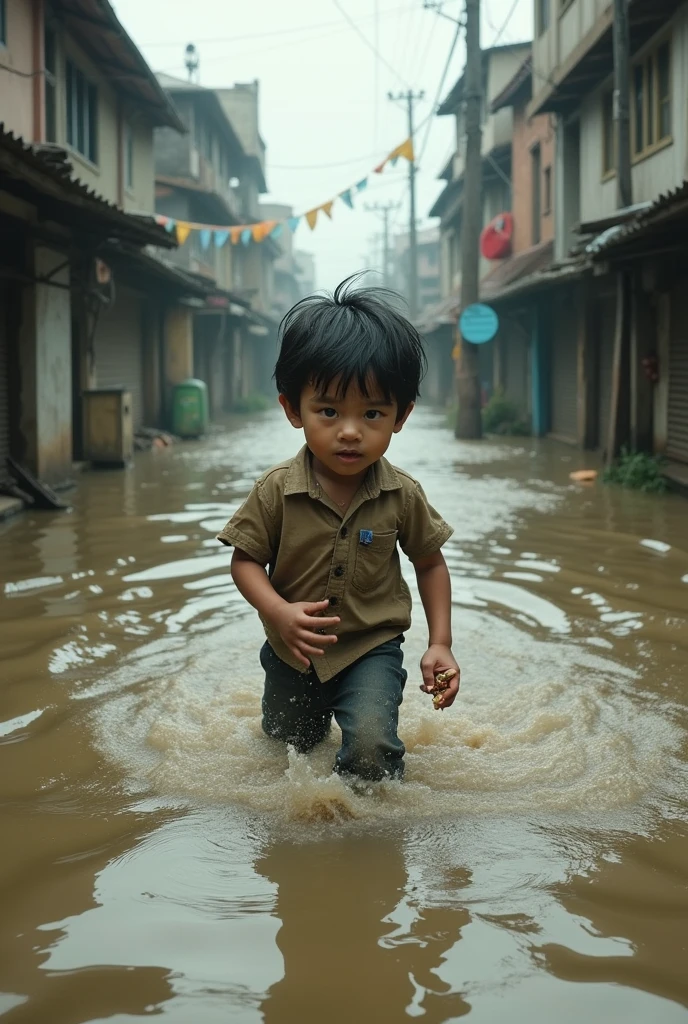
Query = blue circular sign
x=478 y=323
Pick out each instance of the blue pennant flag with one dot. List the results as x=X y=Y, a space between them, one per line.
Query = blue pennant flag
x=362 y=185
x=204 y=236
x=293 y=223
x=393 y=161
x=170 y=225
x=246 y=235
x=277 y=231
x=346 y=198
x=220 y=238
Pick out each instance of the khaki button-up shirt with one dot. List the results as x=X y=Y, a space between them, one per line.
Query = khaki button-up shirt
x=314 y=552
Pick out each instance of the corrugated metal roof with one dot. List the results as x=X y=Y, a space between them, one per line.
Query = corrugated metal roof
x=646 y=223
x=46 y=177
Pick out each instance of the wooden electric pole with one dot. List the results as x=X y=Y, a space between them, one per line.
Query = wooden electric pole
x=410 y=98
x=384 y=209
x=622 y=92
x=620 y=398
x=469 y=416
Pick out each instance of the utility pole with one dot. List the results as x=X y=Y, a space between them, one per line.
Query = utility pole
x=384 y=209
x=469 y=416
x=622 y=91
x=410 y=98
x=622 y=378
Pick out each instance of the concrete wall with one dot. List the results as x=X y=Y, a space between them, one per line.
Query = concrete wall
x=140 y=198
x=528 y=133
x=172 y=150
x=16 y=92
x=652 y=175
x=565 y=32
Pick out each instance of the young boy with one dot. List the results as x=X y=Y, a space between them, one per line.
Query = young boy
x=326 y=524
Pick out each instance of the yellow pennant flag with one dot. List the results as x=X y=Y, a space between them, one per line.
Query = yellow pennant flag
x=406 y=150
x=312 y=218
x=327 y=208
x=183 y=231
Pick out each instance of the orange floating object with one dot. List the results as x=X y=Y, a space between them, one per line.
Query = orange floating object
x=583 y=476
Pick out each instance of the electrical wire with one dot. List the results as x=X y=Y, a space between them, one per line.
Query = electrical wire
x=430 y=119
x=364 y=39
x=272 y=32
x=505 y=23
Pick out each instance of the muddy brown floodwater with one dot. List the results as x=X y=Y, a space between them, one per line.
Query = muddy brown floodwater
x=160 y=856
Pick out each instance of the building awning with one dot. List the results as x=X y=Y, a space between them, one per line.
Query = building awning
x=62 y=199
x=97 y=29
x=516 y=267
x=662 y=226
x=145 y=270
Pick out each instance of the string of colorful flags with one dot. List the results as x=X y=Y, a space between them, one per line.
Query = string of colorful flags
x=219 y=234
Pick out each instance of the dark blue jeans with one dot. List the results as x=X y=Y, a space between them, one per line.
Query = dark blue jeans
x=364 y=699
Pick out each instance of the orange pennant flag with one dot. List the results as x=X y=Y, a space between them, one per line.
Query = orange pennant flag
x=327 y=208
x=406 y=150
x=312 y=218
x=183 y=231
x=262 y=230
x=235 y=234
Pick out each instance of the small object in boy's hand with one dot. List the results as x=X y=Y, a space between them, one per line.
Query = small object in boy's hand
x=442 y=681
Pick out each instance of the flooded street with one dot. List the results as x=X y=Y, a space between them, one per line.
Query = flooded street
x=161 y=856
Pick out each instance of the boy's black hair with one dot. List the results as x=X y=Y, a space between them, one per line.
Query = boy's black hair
x=355 y=335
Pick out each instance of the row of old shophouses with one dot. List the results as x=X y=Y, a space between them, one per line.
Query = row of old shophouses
x=592 y=298
x=94 y=292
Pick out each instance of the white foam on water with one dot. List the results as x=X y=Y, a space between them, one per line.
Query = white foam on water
x=539 y=727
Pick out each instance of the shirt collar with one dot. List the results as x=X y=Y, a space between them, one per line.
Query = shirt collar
x=300 y=478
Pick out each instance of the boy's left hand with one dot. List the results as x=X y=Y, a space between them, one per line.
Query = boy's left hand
x=439 y=658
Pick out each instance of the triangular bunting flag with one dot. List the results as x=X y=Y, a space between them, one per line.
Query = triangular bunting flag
x=246 y=236
x=204 y=237
x=277 y=231
x=169 y=224
x=235 y=235
x=259 y=231
x=220 y=238
x=312 y=218
x=380 y=167
x=346 y=198
x=293 y=223
x=394 y=160
x=406 y=150
x=362 y=185
x=327 y=208
x=183 y=231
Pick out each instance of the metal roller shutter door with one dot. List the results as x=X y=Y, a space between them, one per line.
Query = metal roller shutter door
x=677 y=425
x=516 y=375
x=605 y=349
x=565 y=372
x=4 y=386
x=118 y=349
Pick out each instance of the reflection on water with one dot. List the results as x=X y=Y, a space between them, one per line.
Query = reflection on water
x=164 y=857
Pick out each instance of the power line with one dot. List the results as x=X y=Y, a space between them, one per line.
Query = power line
x=505 y=24
x=430 y=120
x=272 y=32
x=364 y=39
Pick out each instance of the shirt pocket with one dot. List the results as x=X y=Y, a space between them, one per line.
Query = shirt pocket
x=372 y=560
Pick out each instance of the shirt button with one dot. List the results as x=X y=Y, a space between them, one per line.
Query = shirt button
x=333 y=601
x=339 y=571
x=343 y=532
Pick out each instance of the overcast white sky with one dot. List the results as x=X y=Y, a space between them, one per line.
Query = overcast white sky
x=324 y=95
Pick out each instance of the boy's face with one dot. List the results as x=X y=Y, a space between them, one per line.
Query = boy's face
x=349 y=433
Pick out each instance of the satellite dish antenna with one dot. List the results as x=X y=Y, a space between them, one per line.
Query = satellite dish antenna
x=192 y=61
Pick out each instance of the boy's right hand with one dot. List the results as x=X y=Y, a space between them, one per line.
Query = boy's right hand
x=299 y=624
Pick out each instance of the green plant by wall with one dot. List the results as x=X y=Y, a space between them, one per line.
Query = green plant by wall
x=252 y=403
x=638 y=472
x=501 y=416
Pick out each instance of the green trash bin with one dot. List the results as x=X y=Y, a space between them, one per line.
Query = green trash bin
x=190 y=408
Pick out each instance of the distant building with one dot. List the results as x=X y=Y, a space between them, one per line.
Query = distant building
x=428 y=244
